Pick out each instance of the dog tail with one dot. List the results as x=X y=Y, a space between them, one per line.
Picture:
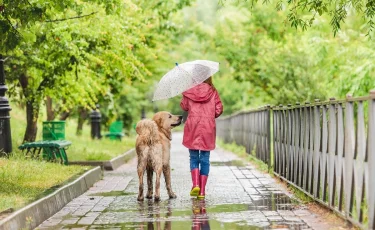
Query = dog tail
x=148 y=129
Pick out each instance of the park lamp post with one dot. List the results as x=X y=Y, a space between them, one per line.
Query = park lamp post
x=5 y=132
x=143 y=113
x=96 y=118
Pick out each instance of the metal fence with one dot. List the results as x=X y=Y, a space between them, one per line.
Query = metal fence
x=326 y=149
x=250 y=129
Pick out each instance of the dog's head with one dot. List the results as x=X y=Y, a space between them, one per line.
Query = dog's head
x=166 y=120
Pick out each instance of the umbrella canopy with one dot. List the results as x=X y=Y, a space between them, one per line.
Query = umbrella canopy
x=183 y=77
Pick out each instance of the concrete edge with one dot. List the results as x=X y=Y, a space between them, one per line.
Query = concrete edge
x=110 y=165
x=120 y=160
x=87 y=163
x=35 y=213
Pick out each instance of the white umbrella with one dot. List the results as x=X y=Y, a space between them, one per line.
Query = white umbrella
x=183 y=77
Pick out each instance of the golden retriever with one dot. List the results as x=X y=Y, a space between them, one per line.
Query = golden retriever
x=153 y=152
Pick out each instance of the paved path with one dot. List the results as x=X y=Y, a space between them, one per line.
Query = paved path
x=238 y=197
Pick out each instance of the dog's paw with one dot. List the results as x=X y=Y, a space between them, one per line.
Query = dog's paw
x=140 y=198
x=157 y=198
x=149 y=197
x=172 y=196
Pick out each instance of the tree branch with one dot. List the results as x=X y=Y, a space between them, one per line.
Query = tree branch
x=11 y=25
x=65 y=19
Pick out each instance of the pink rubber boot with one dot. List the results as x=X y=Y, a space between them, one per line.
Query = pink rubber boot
x=195 y=179
x=202 y=183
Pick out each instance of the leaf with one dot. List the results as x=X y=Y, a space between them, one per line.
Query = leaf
x=28 y=36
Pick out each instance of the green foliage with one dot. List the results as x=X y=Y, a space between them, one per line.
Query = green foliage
x=303 y=13
x=79 y=53
x=282 y=65
x=114 y=52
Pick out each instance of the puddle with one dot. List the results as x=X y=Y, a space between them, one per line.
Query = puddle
x=273 y=202
x=180 y=225
x=196 y=214
x=113 y=193
x=228 y=208
x=228 y=163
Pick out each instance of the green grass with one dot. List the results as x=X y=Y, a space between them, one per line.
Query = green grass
x=23 y=181
x=301 y=196
x=241 y=152
x=83 y=148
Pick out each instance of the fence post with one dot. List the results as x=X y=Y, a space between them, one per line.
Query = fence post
x=316 y=178
x=268 y=148
x=298 y=149
x=305 y=154
x=5 y=131
x=349 y=154
x=371 y=161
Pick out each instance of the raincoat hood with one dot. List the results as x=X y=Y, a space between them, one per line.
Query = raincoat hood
x=200 y=93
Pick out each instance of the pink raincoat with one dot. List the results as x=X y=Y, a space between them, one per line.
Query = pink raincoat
x=203 y=105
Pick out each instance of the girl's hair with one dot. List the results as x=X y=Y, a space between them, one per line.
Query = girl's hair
x=209 y=81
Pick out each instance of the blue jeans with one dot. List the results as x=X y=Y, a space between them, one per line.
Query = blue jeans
x=202 y=158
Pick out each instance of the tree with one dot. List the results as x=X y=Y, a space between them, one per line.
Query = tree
x=84 y=52
x=303 y=13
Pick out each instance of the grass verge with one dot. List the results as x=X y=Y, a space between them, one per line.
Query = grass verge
x=241 y=152
x=83 y=148
x=23 y=181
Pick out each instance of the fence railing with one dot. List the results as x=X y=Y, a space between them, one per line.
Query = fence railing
x=250 y=129
x=325 y=149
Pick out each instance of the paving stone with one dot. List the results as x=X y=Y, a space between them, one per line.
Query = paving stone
x=270 y=213
x=70 y=221
x=239 y=196
x=274 y=218
x=302 y=212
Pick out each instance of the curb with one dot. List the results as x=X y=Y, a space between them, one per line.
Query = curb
x=111 y=164
x=35 y=213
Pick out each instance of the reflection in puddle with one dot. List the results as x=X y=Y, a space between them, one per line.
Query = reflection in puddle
x=273 y=202
x=199 y=215
x=252 y=205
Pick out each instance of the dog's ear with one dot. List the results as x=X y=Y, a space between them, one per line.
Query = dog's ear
x=158 y=120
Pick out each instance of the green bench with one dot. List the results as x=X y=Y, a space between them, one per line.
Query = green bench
x=53 y=151
x=115 y=131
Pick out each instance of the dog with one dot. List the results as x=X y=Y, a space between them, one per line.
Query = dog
x=153 y=152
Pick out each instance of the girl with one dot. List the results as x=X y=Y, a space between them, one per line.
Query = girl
x=203 y=105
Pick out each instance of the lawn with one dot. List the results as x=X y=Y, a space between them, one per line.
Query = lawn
x=23 y=181
x=83 y=148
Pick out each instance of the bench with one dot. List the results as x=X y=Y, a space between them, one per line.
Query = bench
x=115 y=131
x=53 y=151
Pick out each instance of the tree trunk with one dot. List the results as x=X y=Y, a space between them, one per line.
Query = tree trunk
x=50 y=111
x=32 y=112
x=64 y=116
x=32 y=119
x=82 y=116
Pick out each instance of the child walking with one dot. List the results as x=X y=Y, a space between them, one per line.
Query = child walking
x=203 y=105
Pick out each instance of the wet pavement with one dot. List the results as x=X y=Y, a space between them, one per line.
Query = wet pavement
x=237 y=197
